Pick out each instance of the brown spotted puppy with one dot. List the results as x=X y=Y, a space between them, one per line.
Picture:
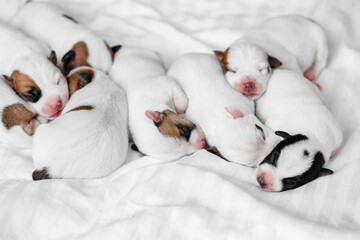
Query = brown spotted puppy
x=155 y=102
x=18 y=119
x=32 y=74
x=89 y=139
x=75 y=44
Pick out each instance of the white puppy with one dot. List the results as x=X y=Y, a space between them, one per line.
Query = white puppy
x=155 y=102
x=18 y=119
x=225 y=116
x=291 y=105
x=75 y=44
x=33 y=75
x=89 y=139
x=292 y=41
x=10 y=8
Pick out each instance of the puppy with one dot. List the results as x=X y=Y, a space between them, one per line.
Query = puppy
x=310 y=131
x=10 y=8
x=33 y=76
x=291 y=41
x=89 y=139
x=75 y=44
x=18 y=119
x=225 y=116
x=155 y=102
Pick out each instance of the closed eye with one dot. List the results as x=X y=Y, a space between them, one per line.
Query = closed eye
x=185 y=131
x=261 y=131
x=229 y=70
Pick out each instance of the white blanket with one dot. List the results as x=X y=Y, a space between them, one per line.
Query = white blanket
x=199 y=196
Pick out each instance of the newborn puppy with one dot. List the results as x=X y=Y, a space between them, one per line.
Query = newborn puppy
x=89 y=139
x=310 y=131
x=18 y=120
x=31 y=73
x=225 y=116
x=292 y=41
x=75 y=44
x=155 y=102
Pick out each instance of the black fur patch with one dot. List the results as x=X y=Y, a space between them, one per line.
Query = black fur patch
x=274 y=155
x=312 y=173
x=40 y=174
x=70 y=18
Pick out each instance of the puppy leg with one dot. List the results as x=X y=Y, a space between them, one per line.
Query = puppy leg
x=179 y=98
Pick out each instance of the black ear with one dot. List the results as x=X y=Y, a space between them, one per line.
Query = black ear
x=8 y=80
x=68 y=57
x=219 y=55
x=274 y=63
x=283 y=134
x=52 y=58
x=116 y=48
x=325 y=172
x=84 y=76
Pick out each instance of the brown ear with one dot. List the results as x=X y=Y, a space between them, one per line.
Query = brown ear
x=274 y=63
x=52 y=58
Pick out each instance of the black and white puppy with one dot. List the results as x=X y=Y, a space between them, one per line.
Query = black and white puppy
x=75 y=44
x=310 y=131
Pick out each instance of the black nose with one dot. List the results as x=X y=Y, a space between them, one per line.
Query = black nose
x=261 y=181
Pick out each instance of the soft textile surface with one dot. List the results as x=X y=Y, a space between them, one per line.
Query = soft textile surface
x=199 y=196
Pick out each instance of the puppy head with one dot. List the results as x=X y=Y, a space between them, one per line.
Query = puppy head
x=247 y=68
x=96 y=54
x=40 y=83
x=294 y=162
x=177 y=136
x=244 y=139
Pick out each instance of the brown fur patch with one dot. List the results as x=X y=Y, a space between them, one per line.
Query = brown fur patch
x=224 y=63
x=80 y=59
x=17 y=114
x=215 y=151
x=82 y=108
x=22 y=83
x=75 y=83
x=110 y=50
x=168 y=122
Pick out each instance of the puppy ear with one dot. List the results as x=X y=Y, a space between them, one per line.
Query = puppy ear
x=8 y=80
x=52 y=58
x=274 y=63
x=153 y=116
x=219 y=55
x=68 y=57
x=115 y=48
x=85 y=77
x=32 y=126
x=283 y=134
x=325 y=172
x=234 y=113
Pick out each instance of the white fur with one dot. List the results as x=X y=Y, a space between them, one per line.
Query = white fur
x=19 y=52
x=237 y=140
x=296 y=41
x=85 y=143
x=293 y=105
x=46 y=22
x=15 y=137
x=10 y=8
x=141 y=73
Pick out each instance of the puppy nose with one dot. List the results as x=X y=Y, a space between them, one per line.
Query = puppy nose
x=261 y=181
x=58 y=105
x=249 y=86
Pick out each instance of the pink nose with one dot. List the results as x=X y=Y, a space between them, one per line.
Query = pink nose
x=265 y=181
x=58 y=106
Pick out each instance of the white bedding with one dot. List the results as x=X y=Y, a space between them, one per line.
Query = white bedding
x=199 y=196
